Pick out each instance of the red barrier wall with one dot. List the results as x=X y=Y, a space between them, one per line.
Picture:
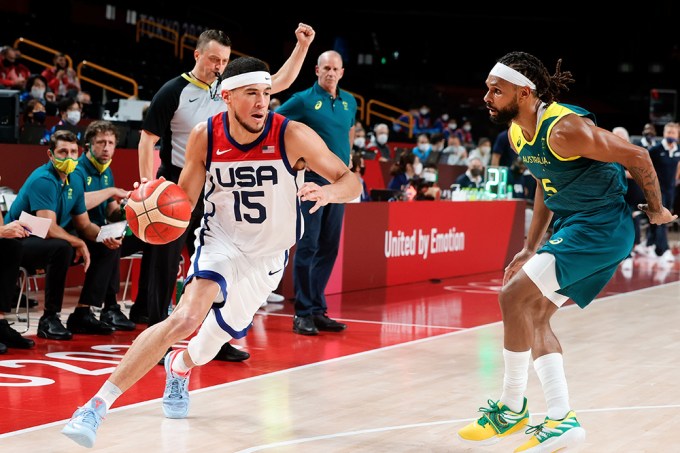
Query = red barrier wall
x=391 y=243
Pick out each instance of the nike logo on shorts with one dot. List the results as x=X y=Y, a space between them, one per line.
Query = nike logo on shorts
x=275 y=272
x=193 y=100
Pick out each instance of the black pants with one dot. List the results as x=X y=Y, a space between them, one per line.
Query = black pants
x=102 y=279
x=10 y=257
x=54 y=256
x=158 y=272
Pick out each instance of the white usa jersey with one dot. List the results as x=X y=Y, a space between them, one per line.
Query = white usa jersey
x=251 y=190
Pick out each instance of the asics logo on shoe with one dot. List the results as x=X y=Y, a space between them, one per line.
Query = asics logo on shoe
x=219 y=152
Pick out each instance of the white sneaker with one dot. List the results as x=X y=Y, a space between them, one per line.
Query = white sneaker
x=627 y=267
x=667 y=256
x=275 y=298
x=640 y=249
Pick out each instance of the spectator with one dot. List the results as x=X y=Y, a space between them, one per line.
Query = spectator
x=36 y=88
x=648 y=138
x=423 y=147
x=13 y=75
x=61 y=78
x=483 y=151
x=359 y=145
x=406 y=168
x=70 y=114
x=331 y=112
x=454 y=153
x=474 y=175
x=359 y=169
x=380 y=147
x=426 y=186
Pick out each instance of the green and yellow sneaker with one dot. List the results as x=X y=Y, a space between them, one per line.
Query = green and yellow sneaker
x=496 y=423
x=553 y=435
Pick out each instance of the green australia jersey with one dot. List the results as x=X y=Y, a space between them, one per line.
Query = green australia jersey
x=570 y=184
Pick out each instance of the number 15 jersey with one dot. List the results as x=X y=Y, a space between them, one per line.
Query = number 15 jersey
x=251 y=190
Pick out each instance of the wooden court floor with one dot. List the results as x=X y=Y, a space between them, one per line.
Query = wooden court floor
x=414 y=365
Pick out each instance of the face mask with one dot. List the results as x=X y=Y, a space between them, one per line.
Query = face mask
x=430 y=176
x=360 y=142
x=485 y=149
x=37 y=93
x=671 y=140
x=73 y=116
x=98 y=165
x=417 y=168
x=65 y=166
x=423 y=147
x=424 y=111
x=476 y=172
x=382 y=138
x=39 y=117
x=467 y=128
x=649 y=136
x=453 y=126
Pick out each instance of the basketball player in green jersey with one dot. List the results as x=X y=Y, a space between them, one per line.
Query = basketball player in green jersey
x=581 y=183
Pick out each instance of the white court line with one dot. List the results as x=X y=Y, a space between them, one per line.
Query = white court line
x=303 y=440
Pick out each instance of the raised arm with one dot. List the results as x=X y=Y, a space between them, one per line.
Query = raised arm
x=287 y=74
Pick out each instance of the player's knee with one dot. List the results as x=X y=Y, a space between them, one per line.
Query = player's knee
x=184 y=323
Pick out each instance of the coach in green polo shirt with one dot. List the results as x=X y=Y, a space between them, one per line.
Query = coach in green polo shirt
x=331 y=112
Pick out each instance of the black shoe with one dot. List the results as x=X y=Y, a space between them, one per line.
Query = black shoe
x=138 y=318
x=79 y=322
x=3 y=348
x=113 y=316
x=13 y=339
x=50 y=327
x=228 y=353
x=304 y=325
x=323 y=322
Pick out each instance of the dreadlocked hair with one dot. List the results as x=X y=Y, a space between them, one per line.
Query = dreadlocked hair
x=547 y=87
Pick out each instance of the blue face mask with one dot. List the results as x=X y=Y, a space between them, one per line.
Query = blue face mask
x=671 y=140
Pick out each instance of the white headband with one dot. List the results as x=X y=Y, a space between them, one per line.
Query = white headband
x=511 y=75
x=247 y=78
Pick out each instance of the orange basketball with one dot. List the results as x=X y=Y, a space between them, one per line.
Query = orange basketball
x=158 y=211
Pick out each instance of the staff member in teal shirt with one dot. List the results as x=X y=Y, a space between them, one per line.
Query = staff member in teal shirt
x=102 y=199
x=47 y=193
x=331 y=112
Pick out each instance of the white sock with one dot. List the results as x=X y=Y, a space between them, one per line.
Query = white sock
x=177 y=364
x=515 y=379
x=109 y=393
x=550 y=371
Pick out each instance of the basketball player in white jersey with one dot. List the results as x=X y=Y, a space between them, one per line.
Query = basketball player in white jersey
x=249 y=161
